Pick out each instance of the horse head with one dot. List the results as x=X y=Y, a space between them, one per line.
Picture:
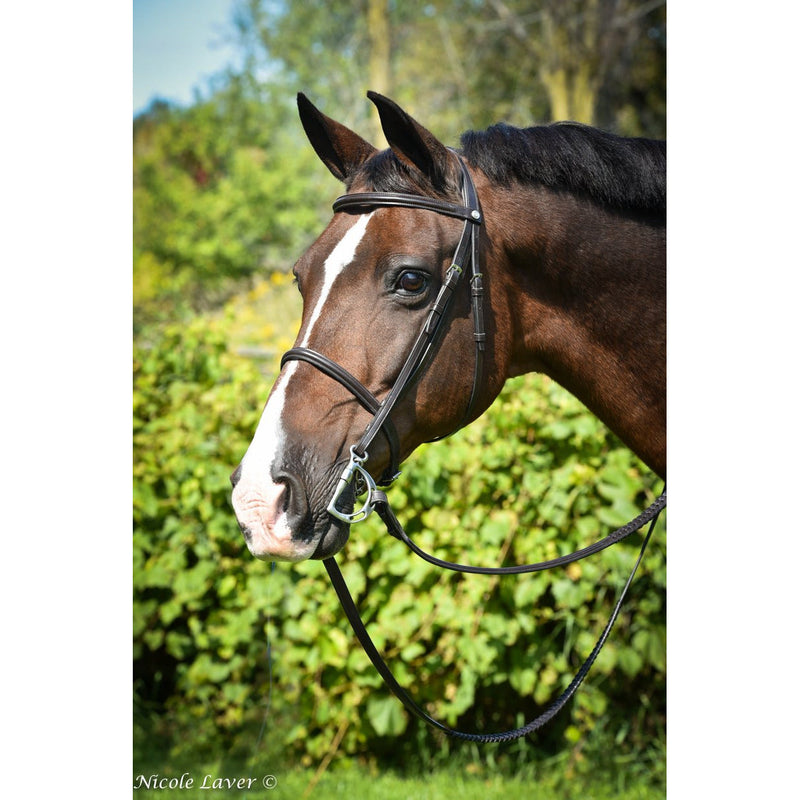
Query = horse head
x=368 y=285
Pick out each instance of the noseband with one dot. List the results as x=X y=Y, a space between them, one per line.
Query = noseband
x=356 y=477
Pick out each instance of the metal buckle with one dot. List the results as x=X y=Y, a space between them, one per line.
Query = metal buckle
x=354 y=469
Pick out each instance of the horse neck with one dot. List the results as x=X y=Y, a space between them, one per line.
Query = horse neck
x=585 y=291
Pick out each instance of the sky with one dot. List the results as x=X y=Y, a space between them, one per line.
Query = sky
x=177 y=46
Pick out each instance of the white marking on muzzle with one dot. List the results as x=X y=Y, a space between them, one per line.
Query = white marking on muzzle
x=257 y=500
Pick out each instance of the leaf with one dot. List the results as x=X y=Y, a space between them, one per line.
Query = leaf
x=652 y=644
x=568 y=593
x=199 y=596
x=528 y=590
x=523 y=680
x=387 y=716
x=559 y=430
x=630 y=662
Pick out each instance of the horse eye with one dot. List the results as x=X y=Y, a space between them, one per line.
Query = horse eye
x=411 y=282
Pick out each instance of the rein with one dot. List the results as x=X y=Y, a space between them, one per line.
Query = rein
x=357 y=480
x=353 y=616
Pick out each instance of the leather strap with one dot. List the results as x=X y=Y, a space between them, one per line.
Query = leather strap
x=361 y=393
x=362 y=200
x=467 y=252
x=381 y=505
x=353 y=616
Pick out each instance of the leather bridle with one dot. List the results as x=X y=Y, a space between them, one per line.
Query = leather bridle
x=466 y=253
x=356 y=477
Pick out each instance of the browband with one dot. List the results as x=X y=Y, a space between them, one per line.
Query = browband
x=361 y=200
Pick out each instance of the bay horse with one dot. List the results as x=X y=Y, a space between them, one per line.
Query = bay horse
x=571 y=283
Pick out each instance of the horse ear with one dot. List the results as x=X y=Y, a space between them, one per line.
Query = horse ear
x=341 y=150
x=410 y=142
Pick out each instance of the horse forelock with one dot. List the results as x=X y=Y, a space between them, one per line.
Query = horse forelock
x=385 y=172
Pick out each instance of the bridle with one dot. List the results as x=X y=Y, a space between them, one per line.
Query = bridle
x=357 y=479
x=466 y=252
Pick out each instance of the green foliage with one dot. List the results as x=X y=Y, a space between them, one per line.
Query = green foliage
x=229 y=186
x=196 y=606
x=535 y=477
x=466 y=64
x=213 y=202
x=228 y=189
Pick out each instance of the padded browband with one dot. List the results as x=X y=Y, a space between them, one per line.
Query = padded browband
x=366 y=199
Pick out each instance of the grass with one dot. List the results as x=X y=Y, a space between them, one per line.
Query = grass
x=363 y=783
x=594 y=769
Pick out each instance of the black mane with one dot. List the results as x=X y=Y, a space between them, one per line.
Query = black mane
x=612 y=170
x=617 y=172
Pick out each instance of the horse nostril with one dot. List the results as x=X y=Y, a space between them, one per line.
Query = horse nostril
x=246 y=532
x=295 y=504
x=236 y=475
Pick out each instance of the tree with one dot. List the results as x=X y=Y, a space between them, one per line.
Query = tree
x=213 y=200
x=468 y=63
x=379 y=54
x=577 y=44
x=205 y=176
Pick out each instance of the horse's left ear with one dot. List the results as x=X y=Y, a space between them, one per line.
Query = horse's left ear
x=341 y=150
x=410 y=142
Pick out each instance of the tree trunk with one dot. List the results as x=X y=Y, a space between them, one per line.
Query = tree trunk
x=572 y=93
x=379 y=55
x=569 y=69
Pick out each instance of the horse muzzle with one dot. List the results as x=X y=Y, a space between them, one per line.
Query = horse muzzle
x=278 y=521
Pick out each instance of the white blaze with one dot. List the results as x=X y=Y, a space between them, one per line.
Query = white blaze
x=341 y=255
x=257 y=500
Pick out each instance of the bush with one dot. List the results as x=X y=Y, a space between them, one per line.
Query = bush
x=196 y=596
x=537 y=476
x=217 y=198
